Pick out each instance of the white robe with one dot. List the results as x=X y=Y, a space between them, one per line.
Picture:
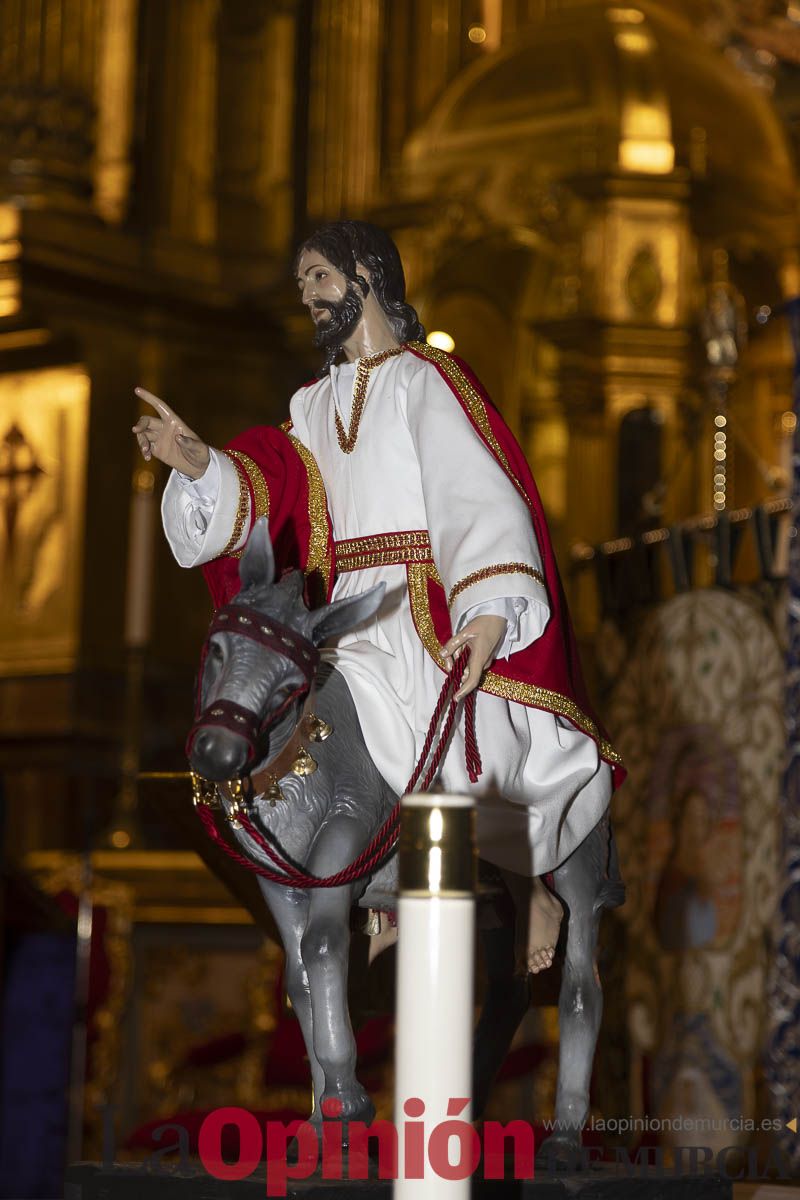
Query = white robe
x=419 y=464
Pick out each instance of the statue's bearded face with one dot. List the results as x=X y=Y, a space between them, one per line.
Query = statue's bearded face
x=332 y=300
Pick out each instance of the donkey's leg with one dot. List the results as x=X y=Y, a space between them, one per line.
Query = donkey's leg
x=289 y=907
x=578 y=881
x=325 y=949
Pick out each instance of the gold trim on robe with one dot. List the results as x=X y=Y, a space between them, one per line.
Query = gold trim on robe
x=319 y=554
x=496 y=685
x=241 y=508
x=473 y=400
x=383 y=550
x=243 y=462
x=513 y=568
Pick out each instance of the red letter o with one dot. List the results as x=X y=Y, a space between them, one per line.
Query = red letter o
x=439 y=1150
x=209 y=1143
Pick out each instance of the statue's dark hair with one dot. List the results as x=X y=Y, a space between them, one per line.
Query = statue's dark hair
x=345 y=243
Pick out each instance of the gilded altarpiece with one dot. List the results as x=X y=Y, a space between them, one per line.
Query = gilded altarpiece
x=43 y=430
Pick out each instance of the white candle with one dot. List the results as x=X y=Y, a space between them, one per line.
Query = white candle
x=435 y=966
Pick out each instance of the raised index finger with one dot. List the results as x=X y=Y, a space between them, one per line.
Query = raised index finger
x=161 y=408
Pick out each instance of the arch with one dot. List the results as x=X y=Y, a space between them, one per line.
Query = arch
x=598 y=89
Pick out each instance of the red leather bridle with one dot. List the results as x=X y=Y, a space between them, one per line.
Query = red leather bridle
x=242 y=620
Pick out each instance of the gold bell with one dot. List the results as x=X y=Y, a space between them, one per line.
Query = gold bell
x=318 y=730
x=304 y=764
x=274 y=793
x=234 y=812
x=237 y=807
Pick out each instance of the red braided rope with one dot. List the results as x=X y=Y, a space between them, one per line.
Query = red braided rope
x=385 y=839
x=471 y=752
x=289 y=877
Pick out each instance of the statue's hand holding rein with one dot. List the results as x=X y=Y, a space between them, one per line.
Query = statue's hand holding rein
x=168 y=438
x=484 y=635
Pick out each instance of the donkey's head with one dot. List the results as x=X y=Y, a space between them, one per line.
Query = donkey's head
x=259 y=663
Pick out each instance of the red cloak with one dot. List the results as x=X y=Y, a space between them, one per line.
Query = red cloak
x=284 y=484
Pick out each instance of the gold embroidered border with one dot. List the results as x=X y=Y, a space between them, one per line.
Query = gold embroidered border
x=286 y=426
x=257 y=482
x=384 y=541
x=418 y=575
x=382 y=558
x=319 y=557
x=474 y=400
x=347 y=438
x=241 y=509
x=243 y=462
x=513 y=568
x=496 y=685
x=383 y=550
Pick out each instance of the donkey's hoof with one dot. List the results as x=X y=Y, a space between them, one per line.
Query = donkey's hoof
x=351 y=1105
x=560 y=1152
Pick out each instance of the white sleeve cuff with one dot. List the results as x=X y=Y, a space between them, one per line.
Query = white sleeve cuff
x=199 y=514
x=526 y=620
x=205 y=489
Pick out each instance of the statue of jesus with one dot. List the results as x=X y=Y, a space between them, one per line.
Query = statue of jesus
x=395 y=467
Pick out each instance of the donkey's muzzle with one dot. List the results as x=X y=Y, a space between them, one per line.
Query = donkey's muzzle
x=218 y=754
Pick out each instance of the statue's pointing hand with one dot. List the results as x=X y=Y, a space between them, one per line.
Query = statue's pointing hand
x=169 y=439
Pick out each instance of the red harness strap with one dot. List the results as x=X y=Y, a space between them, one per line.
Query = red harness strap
x=383 y=843
x=244 y=621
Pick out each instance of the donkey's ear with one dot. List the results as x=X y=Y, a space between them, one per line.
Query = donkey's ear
x=257 y=568
x=345 y=614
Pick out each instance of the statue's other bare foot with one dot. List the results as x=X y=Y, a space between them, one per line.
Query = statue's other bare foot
x=544 y=922
x=383 y=939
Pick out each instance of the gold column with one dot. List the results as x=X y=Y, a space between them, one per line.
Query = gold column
x=436 y=25
x=591 y=474
x=518 y=14
x=255 y=125
x=78 y=29
x=761 y=424
x=30 y=38
x=626 y=344
x=344 y=116
x=115 y=88
x=546 y=450
x=190 y=99
x=10 y=251
x=47 y=65
x=275 y=179
x=50 y=32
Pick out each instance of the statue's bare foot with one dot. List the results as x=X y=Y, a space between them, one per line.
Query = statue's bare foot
x=544 y=922
x=383 y=939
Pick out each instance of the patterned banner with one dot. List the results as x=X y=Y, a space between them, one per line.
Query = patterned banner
x=697 y=710
x=783 y=1052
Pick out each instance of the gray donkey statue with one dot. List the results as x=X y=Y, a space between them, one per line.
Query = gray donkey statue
x=264 y=698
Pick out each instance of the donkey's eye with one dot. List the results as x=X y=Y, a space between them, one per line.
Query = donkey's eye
x=213 y=669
